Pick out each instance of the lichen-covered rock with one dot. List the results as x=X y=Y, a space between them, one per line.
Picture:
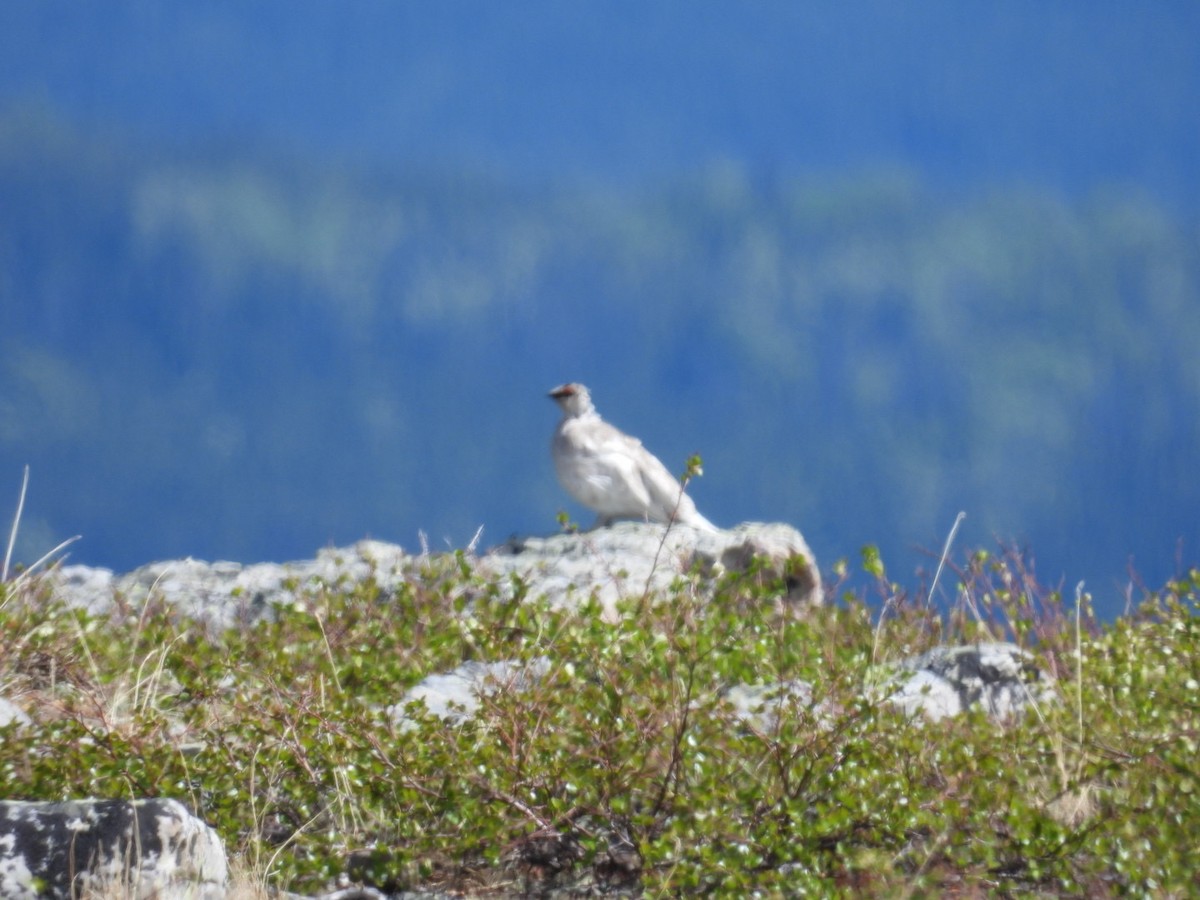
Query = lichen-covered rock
x=623 y=560
x=1001 y=678
x=630 y=558
x=222 y=594
x=144 y=848
x=83 y=587
x=763 y=706
x=784 y=552
x=10 y=713
x=456 y=695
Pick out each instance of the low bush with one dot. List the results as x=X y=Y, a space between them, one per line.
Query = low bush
x=620 y=763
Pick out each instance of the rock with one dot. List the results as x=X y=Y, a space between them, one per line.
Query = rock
x=1001 y=678
x=786 y=554
x=146 y=848
x=621 y=561
x=760 y=705
x=354 y=893
x=223 y=594
x=83 y=587
x=630 y=558
x=10 y=713
x=456 y=695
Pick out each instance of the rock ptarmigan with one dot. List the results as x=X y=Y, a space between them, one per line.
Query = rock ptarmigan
x=612 y=473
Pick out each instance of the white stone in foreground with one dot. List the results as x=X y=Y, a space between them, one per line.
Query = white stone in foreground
x=147 y=848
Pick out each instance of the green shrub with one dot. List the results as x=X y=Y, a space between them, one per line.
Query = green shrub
x=625 y=764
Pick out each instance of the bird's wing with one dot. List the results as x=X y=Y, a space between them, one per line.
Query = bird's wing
x=651 y=480
x=612 y=473
x=663 y=487
x=603 y=464
x=667 y=498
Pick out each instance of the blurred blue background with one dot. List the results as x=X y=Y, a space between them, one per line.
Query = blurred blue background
x=280 y=275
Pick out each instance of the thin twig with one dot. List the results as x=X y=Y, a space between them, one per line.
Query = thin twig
x=12 y=534
x=1079 y=660
x=45 y=557
x=691 y=469
x=958 y=520
x=473 y=546
x=494 y=793
x=672 y=773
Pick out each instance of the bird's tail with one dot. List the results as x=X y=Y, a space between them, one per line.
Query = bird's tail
x=694 y=520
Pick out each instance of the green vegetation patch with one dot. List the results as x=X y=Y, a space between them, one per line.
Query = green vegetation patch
x=620 y=762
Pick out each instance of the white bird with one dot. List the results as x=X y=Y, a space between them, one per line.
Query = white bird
x=612 y=473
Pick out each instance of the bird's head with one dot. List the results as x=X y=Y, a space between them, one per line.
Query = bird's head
x=573 y=399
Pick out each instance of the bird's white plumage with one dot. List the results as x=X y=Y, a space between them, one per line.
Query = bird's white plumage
x=612 y=473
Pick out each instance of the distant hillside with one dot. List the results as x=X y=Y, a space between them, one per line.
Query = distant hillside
x=223 y=355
